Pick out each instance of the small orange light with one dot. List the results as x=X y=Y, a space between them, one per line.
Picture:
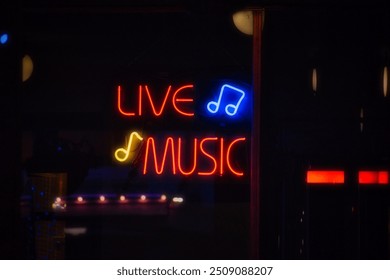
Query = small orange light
x=163 y=197
x=80 y=199
x=102 y=198
x=58 y=199
x=122 y=198
x=325 y=177
x=142 y=197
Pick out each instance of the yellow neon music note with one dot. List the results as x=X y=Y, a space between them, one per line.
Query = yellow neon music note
x=126 y=152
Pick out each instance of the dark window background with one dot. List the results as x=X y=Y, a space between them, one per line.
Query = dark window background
x=71 y=125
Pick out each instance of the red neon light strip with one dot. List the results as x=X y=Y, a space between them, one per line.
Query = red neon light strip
x=159 y=166
x=119 y=104
x=160 y=170
x=164 y=102
x=325 y=177
x=182 y=100
x=238 y=173
x=140 y=100
x=221 y=159
x=203 y=173
x=179 y=158
x=374 y=177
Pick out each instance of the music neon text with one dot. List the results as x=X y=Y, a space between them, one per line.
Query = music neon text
x=174 y=149
x=179 y=100
x=214 y=153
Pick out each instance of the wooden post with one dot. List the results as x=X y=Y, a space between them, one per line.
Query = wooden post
x=255 y=141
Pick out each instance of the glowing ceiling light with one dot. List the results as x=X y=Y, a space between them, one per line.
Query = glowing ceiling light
x=102 y=198
x=163 y=197
x=80 y=199
x=122 y=198
x=58 y=199
x=385 y=81
x=142 y=197
x=243 y=20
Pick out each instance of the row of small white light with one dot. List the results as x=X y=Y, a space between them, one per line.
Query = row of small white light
x=122 y=199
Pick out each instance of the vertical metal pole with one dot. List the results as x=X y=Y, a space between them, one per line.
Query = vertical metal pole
x=255 y=141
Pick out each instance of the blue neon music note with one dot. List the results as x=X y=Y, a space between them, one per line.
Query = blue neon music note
x=231 y=108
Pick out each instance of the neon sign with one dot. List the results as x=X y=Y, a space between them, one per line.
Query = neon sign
x=209 y=155
x=174 y=151
x=126 y=152
x=231 y=108
x=176 y=100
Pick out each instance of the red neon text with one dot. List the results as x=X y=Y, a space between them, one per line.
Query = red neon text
x=177 y=98
x=204 y=150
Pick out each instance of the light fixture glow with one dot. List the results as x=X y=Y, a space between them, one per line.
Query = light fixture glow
x=243 y=20
x=102 y=198
x=27 y=67
x=58 y=204
x=177 y=199
x=163 y=197
x=314 y=79
x=142 y=197
x=80 y=199
x=122 y=198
